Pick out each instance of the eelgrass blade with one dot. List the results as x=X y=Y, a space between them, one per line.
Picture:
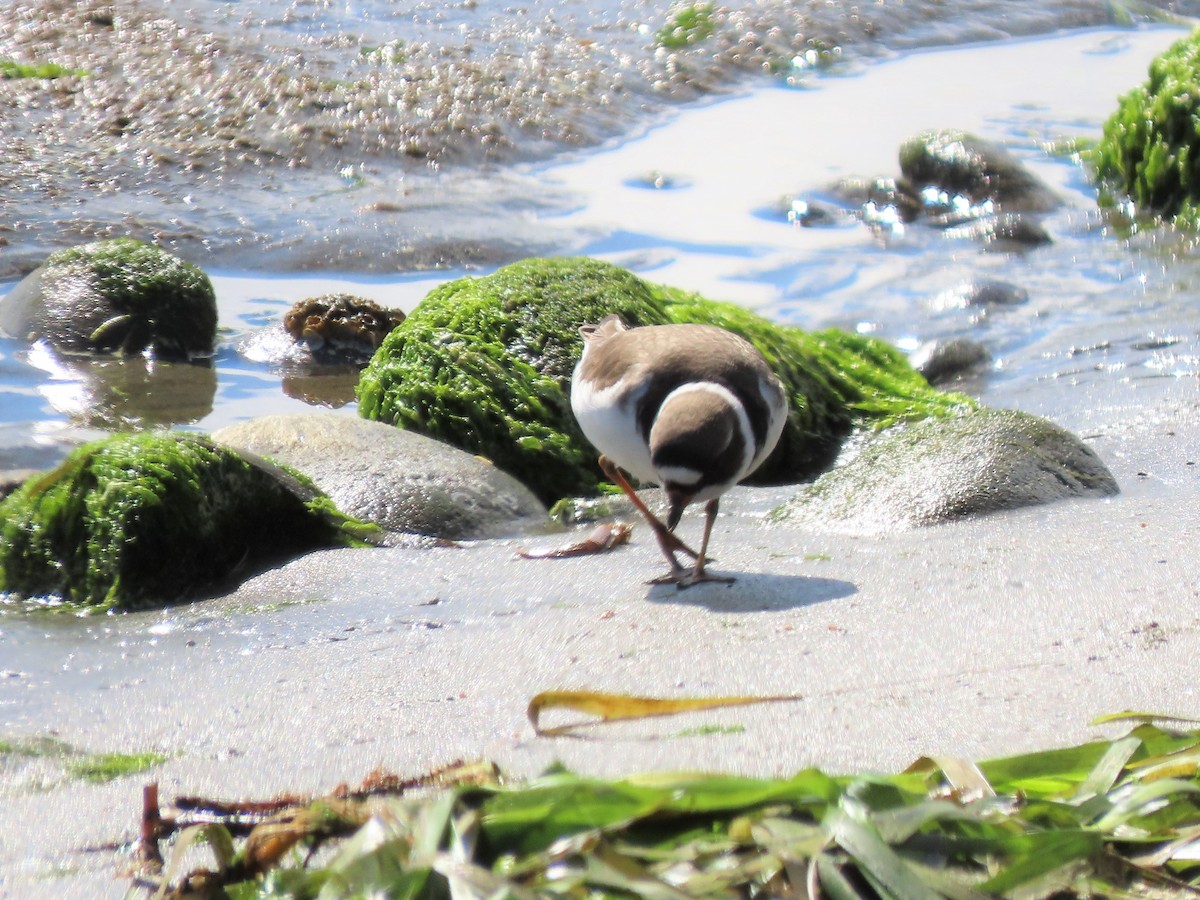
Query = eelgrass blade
x=1106 y=772
x=887 y=872
x=1037 y=854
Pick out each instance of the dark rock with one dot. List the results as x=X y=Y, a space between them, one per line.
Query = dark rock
x=942 y=362
x=960 y=163
x=1010 y=231
x=982 y=295
x=398 y=480
x=995 y=293
x=810 y=213
x=878 y=194
x=121 y=296
x=939 y=470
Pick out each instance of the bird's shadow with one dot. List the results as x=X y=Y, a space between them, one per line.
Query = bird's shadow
x=755 y=592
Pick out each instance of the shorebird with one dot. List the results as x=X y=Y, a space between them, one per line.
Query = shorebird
x=691 y=408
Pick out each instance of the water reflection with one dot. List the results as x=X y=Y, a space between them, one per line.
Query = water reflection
x=122 y=392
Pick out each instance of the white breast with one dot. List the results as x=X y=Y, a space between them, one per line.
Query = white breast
x=608 y=419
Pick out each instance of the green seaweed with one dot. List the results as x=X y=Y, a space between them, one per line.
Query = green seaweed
x=1108 y=818
x=1150 y=148
x=10 y=68
x=142 y=520
x=77 y=764
x=485 y=364
x=688 y=25
x=101 y=767
x=708 y=730
x=835 y=380
x=35 y=747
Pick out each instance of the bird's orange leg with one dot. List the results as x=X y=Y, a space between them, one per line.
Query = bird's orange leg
x=667 y=540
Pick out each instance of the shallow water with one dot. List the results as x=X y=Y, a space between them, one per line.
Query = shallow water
x=1099 y=303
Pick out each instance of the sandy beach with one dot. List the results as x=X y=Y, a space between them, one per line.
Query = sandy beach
x=973 y=639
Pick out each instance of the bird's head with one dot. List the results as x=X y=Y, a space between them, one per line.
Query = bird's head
x=698 y=446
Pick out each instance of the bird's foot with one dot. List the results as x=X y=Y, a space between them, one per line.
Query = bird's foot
x=685 y=578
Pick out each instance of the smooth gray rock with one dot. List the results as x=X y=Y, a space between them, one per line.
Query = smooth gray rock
x=399 y=480
x=939 y=470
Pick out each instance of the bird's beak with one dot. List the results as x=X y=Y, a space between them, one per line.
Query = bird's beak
x=678 y=501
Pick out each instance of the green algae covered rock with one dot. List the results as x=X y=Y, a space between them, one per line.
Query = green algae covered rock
x=1150 y=149
x=144 y=520
x=485 y=364
x=121 y=296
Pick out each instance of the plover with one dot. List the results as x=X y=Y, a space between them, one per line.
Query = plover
x=692 y=408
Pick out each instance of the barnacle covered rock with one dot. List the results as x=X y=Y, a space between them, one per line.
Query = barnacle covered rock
x=341 y=325
x=940 y=470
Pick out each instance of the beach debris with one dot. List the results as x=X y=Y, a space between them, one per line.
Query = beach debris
x=268 y=828
x=1105 y=818
x=601 y=539
x=624 y=707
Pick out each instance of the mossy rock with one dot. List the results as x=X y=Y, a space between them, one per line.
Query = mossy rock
x=940 y=470
x=1150 y=149
x=485 y=364
x=119 y=295
x=144 y=520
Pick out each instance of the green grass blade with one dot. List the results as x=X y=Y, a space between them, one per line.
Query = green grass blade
x=1136 y=800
